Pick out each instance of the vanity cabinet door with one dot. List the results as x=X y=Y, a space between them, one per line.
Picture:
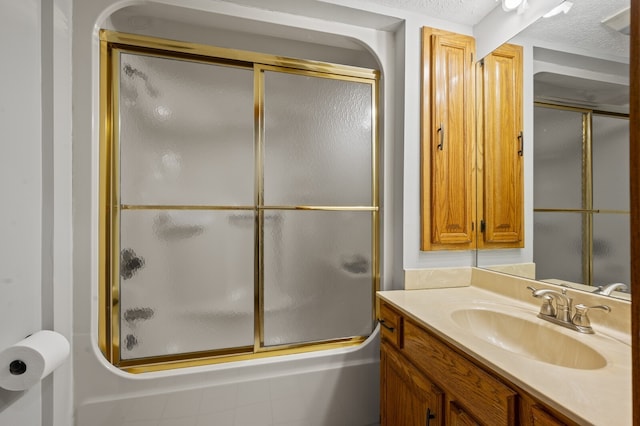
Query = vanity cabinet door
x=540 y=417
x=485 y=397
x=407 y=397
x=458 y=417
x=500 y=153
x=448 y=140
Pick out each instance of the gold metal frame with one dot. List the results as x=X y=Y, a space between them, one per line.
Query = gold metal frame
x=587 y=198
x=113 y=43
x=587 y=184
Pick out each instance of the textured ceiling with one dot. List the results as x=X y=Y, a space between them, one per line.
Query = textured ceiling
x=579 y=31
x=467 y=12
x=581 y=28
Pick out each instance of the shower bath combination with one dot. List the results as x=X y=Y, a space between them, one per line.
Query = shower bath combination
x=239 y=235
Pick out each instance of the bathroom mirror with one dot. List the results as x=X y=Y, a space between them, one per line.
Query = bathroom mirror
x=576 y=191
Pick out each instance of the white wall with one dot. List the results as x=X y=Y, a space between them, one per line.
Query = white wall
x=57 y=172
x=35 y=223
x=20 y=188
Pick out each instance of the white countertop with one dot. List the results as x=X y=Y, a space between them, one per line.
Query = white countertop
x=596 y=396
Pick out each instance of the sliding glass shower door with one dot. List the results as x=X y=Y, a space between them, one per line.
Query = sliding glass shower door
x=186 y=181
x=611 y=228
x=318 y=261
x=239 y=206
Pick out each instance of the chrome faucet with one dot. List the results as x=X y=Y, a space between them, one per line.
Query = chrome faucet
x=562 y=314
x=564 y=304
x=610 y=288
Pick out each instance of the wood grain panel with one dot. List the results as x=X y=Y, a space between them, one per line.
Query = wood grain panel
x=501 y=203
x=459 y=417
x=539 y=417
x=534 y=413
x=448 y=141
x=409 y=398
x=484 y=397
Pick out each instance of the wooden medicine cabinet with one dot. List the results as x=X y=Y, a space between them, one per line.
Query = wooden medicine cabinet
x=471 y=135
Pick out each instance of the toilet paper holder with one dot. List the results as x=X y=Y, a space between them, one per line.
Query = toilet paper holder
x=30 y=360
x=17 y=367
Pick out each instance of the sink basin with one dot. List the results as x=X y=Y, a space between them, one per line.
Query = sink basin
x=528 y=338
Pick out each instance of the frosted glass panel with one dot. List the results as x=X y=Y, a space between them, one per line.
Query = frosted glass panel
x=186 y=281
x=557 y=159
x=610 y=163
x=318 y=141
x=186 y=132
x=317 y=276
x=611 y=249
x=557 y=246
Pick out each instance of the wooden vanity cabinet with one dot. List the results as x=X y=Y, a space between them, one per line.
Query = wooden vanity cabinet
x=459 y=417
x=447 y=122
x=425 y=381
x=539 y=415
x=500 y=149
x=410 y=398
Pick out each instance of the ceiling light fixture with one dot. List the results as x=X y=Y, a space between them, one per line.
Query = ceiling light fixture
x=619 y=21
x=563 y=7
x=509 y=5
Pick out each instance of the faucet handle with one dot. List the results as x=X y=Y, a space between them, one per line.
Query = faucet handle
x=547 y=307
x=582 y=309
x=581 y=319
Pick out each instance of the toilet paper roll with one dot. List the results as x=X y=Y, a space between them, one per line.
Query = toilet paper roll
x=32 y=359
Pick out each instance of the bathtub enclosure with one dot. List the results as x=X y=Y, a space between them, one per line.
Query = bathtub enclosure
x=227 y=215
x=239 y=202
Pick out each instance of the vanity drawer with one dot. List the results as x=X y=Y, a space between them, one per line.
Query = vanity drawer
x=483 y=396
x=390 y=325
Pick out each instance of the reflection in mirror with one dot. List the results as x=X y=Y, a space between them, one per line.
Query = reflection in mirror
x=576 y=173
x=581 y=198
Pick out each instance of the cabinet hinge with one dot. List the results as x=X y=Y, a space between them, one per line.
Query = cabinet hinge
x=483 y=225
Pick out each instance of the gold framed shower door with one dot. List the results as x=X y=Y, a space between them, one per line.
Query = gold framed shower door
x=111 y=45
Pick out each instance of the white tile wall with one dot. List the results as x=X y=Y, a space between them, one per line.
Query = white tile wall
x=343 y=396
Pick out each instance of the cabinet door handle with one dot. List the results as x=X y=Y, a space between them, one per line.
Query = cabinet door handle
x=521 y=141
x=388 y=327
x=441 y=133
x=430 y=416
